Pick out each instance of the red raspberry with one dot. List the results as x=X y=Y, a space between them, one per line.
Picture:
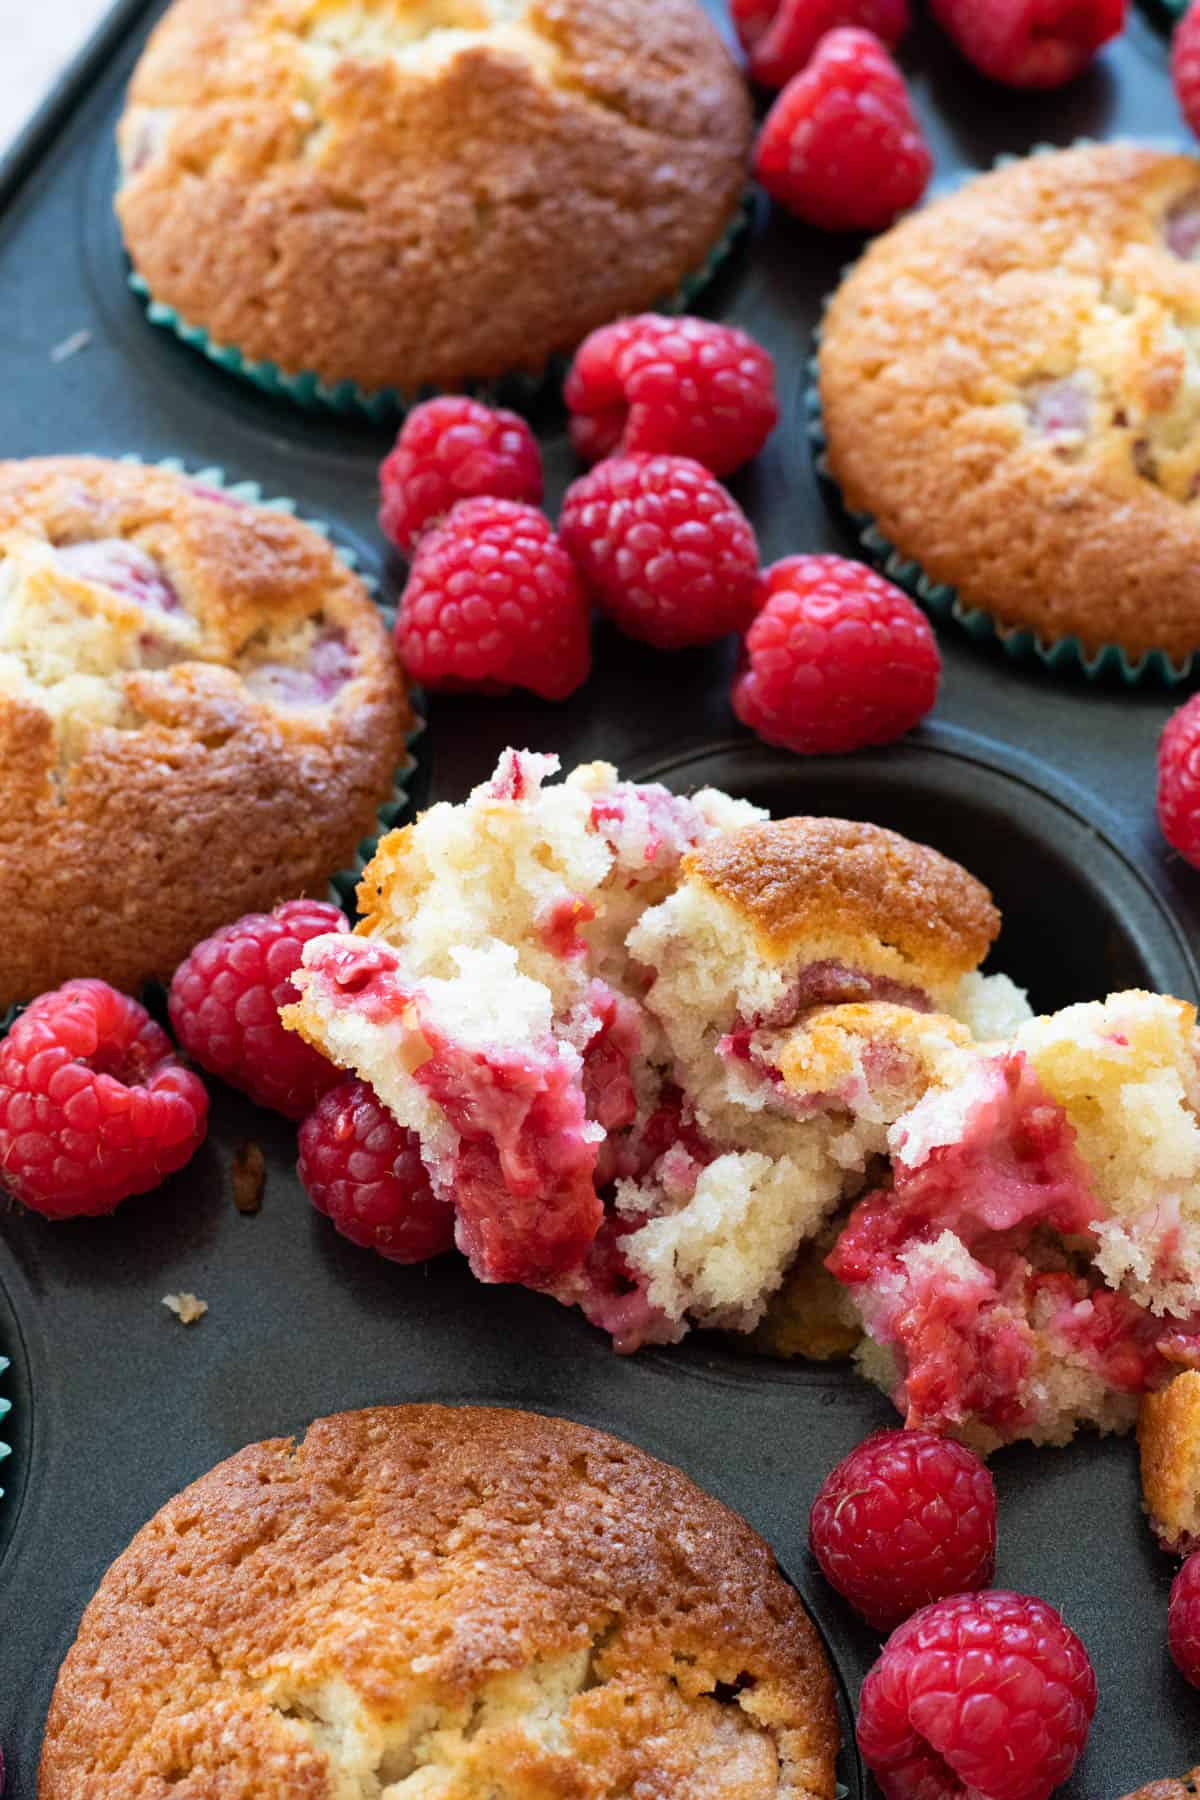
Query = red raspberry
x=364 y=1171
x=225 y=1000
x=1030 y=43
x=1185 y=65
x=681 y=386
x=837 y=658
x=1183 y=1620
x=94 y=1103
x=779 y=36
x=987 y=1695
x=1179 y=781
x=494 y=602
x=665 y=551
x=907 y=1518
x=449 y=450
x=841 y=147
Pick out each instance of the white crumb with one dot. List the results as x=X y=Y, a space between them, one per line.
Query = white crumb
x=70 y=346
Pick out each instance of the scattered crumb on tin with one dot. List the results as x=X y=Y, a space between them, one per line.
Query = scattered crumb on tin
x=70 y=346
x=249 y=1170
x=186 y=1307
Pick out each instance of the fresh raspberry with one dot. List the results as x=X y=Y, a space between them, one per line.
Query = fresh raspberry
x=685 y=387
x=1030 y=43
x=494 y=602
x=665 y=551
x=841 y=147
x=1185 y=65
x=1179 y=781
x=779 y=36
x=449 y=450
x=364 y=1171
x=94 y=1103
x=907 y=1518
x=837 y=658
x=987 y=1696
x=1183 y=1620
x=225 y=1000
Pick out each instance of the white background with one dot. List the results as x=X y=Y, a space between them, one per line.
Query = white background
x=37 y=40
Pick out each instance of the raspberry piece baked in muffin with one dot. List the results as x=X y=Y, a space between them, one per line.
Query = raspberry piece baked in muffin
x=412 y=193
x=430 y=1601
x=200 y=711
x=1009 y=387
x=1034 y=1264
x=648 y=1042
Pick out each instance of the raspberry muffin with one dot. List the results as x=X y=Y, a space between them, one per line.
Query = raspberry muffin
x=1033 y=1262
x=200 y=711
x=649 y=1043
x=406 y=194
x=444 y=1602
x=1010 y=388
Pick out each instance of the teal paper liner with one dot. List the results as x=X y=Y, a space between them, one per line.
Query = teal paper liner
x=517 y=390
x=1060 y=655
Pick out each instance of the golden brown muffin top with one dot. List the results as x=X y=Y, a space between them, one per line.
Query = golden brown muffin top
x=803 y=880
x=1183 y=1789
x=1169 y=1442
x=200 y=711
x=508 y=1603
x=1011 y=386
x=400 y=192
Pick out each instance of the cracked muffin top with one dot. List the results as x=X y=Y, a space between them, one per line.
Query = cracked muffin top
x=200 y=711
x=426 y=192
x=455 y=1604
x=1010 y=382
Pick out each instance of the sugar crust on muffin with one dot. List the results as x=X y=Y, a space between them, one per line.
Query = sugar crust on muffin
x=200 y=711
x=1010 y=387
x=411 y=192
x=446 y=1603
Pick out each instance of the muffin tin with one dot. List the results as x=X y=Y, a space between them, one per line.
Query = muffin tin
x=1043 y=786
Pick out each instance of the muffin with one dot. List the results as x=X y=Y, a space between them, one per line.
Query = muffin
x=1169 y=1441
x=200 y=711
x=636 y=1038
x=420 y=194
x=1185 y=1788
x=445 y=1603
x=1032 y=1263
x=1009 y=390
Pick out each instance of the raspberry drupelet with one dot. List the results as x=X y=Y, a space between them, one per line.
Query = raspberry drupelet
x=452 y=449
x=664 y=550
x=907 y=1518
x=364 y=1172
x=841 y=147
x=684 y=387
x=94 y=1103
x=225 y=999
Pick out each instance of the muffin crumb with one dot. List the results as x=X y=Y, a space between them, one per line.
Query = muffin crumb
x=186 y=1307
